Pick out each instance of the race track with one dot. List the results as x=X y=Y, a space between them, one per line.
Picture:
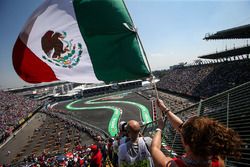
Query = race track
x=106 y=112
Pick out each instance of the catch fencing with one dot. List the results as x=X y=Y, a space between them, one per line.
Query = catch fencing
x=231 y=108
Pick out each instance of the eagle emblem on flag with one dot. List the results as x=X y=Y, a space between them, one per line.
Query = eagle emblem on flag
x=60 y=51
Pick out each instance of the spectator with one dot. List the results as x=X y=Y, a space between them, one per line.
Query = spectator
x=136 y=151
x=96 y=157
x=115 y=147
x=120 y=139
x=123 y=132
x=101 y=144
x=110 y=148
x=206 y=142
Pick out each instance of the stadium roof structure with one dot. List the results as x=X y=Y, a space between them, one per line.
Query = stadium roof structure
x=241 y=32
x=228 y=53
x=35 y=86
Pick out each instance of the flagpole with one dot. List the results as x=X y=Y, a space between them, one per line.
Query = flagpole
x=137 y=36
x=152 y=80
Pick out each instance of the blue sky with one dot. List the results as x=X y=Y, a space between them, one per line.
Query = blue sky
x=171 y=31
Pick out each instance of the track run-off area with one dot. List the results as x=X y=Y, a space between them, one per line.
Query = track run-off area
x=108 y=103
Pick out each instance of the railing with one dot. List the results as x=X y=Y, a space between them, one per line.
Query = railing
x=231 y=108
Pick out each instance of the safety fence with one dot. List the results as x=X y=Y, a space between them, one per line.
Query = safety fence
x=231 y=108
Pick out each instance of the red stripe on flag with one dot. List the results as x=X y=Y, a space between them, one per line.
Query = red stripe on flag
x=28 y=66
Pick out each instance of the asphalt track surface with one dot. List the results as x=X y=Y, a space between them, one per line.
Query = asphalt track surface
x=107 y=111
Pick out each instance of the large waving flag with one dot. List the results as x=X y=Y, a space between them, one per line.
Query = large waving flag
x=79 y=41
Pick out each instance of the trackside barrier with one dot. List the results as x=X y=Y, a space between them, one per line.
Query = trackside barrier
x=231 y=108
x=69 y=117
x=100 y=131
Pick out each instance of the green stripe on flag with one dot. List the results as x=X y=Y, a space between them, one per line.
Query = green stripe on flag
x=114 y=49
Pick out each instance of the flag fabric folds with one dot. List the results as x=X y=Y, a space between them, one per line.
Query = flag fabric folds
x=79 y=41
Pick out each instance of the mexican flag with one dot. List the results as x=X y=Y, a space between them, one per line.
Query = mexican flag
x=79 y=41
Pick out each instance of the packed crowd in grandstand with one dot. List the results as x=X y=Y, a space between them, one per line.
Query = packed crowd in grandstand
x=205 y=80
x=13 y=110
x=69 y=149
x=13 y=105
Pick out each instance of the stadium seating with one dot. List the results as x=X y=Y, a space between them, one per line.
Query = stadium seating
x=204 y=81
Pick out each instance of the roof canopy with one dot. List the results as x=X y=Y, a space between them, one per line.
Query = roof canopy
x=232 y=33
x=228 y=53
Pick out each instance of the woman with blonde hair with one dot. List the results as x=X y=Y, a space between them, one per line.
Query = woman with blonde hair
x=206 y=142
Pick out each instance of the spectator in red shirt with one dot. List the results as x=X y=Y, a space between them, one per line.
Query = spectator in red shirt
x=96 y=157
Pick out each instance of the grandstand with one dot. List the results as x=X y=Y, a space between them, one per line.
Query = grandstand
x=223 y=87
x=203 y=81
x=33 y=87
x=38 y=128
x=42 y=139
x=231 y=108
x=228 y=69
x=109 y=88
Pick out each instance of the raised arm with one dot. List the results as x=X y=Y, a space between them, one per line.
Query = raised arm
x=174 y=119
x=158 y=157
